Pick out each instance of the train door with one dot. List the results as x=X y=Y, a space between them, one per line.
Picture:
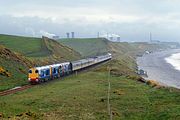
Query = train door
x=70 y=67
x=60 y=71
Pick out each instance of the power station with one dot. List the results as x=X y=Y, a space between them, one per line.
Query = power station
x=67 y=35
x=72 y=34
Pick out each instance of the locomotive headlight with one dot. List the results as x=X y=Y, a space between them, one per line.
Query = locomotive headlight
x=37 y=80
x=29 y=79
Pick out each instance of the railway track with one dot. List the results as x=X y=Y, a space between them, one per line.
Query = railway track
x=14 y=90
x=21 y=88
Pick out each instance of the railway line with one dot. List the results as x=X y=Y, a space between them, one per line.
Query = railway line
x=15 y=90
x=77 y=66
x=21 y=88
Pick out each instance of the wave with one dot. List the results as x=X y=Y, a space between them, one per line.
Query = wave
x=174 y=60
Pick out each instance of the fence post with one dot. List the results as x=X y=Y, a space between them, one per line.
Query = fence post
x=109 y=89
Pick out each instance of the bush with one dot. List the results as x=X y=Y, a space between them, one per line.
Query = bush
x=152 y=83
x=4 y=72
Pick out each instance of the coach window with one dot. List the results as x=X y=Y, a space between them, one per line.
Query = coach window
x=47 y=72
x=54 y=71
x=42 y=73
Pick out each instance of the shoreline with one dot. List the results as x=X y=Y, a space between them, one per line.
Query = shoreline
x=158 y=69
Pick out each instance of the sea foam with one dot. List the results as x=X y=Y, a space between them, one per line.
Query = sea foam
x=174 y=60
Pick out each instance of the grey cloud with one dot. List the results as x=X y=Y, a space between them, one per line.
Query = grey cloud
x=161 y=17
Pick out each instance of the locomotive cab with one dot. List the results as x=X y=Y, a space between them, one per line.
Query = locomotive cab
x=33 y=75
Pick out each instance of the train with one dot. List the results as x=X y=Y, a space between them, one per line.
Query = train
x=42 y=74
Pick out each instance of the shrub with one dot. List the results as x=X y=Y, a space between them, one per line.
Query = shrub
x=4 y=72
x=152 y=83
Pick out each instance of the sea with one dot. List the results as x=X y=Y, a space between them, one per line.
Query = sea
x=163 y=66
x=174 y=60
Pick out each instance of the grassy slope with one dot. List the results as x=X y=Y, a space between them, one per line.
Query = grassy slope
x=94 y=46
x=22 y=45
x=85 y=96
x=129 y=51
x=60 y=52
x=17 y=77
x=87 y=47
x=16 y=65
x=33 y=51
x=36 y=47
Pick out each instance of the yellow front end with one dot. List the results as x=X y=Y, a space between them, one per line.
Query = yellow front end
x=33 y=75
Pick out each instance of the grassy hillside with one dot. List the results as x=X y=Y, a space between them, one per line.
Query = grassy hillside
x=18 y=54
x=95 y=46
x=123 y=51
x=87 y=47
x=36 y=47
x=59 y=51
x=13 y=68
x=27 y=46
x=85 y=97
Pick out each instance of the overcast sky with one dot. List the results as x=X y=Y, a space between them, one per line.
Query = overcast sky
x=131 y=19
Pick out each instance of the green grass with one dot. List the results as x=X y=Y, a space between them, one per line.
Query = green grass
x=87 y=46
x=37 y=47
x=16 y=51
x=45 y=51
x=17 y=77
x=61 y=51
x=97 y=46
x=27 y=46
x=85 y=97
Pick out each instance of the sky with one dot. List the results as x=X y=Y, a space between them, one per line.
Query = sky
x=133 y=20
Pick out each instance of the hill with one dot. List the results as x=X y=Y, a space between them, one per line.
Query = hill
x=87 y=47
x=95 y=46
x=13 y=68
x=123 y=53
x=36 y=47
x=84 y=95
x=18 y=54
x=60 y=52
x=27 y=46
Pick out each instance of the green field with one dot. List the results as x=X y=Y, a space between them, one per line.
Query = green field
x=85 y=97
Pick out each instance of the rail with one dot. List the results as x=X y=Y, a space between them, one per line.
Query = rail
x=15 y=90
